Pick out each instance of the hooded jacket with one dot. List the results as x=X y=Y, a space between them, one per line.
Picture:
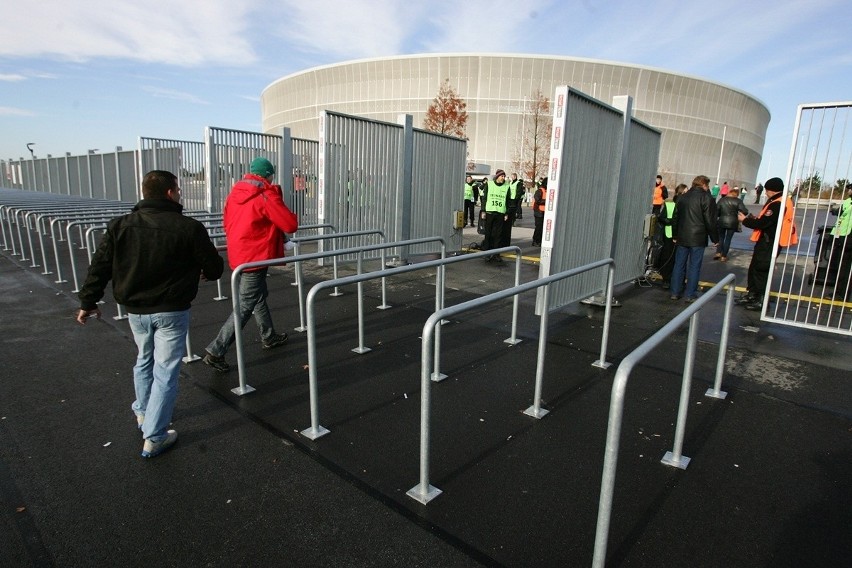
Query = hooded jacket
x=256 y=219
x=154 y=257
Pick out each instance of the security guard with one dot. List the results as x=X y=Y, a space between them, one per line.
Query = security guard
x=496 y=199
x=763 y=235
x=661 y=193
x=469 y=199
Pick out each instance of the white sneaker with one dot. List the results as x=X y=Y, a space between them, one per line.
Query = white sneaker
x=153 y=449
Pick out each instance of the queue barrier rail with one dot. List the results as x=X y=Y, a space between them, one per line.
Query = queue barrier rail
x=297 y=241
x=316 y=430
x=236 y=275
x=424 y=492
x=675 y=457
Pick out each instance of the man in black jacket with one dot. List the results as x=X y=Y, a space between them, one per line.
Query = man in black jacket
x=693 y=221
x=154 y=257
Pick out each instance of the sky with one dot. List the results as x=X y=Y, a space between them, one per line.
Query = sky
x=92 y=74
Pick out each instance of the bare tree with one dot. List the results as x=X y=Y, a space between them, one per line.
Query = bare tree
x=448 y=112
x=534 y=149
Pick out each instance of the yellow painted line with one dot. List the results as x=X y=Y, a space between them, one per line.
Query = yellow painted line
x=789 y=297
x=743 y=289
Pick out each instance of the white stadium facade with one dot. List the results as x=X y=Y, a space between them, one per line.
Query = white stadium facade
x=696 y=116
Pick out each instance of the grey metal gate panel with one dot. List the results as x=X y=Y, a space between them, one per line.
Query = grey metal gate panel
x=811 y=279
x=437 y=174
x=638 y=170
x=305 y=178
x=579 y=219
x=185 y=159
x=229 y=155
x=371 y=179
x=360 y=165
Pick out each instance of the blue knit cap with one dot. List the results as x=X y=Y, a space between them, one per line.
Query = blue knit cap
x=262 y=167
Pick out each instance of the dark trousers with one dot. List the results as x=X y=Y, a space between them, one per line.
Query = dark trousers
x=519 y=203
x=493 y=230
x=539 y=225
x=758 y=269
x=506 y=230
x=468 y=212
x=665 y=261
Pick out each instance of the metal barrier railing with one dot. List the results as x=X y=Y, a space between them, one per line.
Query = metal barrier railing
x=330 y=237
x=235 y=283
x=675 y=457
x=316 y=430
x=424 y=492
x=322 y=238
x=295 y=237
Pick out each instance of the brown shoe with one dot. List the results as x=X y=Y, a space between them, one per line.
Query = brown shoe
x=717 y=256
x=723 y=259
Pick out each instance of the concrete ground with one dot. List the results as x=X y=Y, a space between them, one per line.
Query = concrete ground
x=769 y=482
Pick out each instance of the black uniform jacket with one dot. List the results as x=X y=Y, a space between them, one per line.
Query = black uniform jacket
x=694 y=219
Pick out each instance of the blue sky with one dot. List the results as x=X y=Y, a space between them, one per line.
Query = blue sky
x=84 y=74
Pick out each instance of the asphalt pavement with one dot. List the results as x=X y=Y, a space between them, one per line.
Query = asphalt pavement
x=769 y=481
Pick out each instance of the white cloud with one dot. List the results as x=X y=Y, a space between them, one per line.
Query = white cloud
x=12 y=111
x=346 y=29
x=504 y=26
x=187 y=33
x=170 y=94
x=11 y=77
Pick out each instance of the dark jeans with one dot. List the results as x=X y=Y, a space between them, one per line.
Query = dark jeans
x=253 y=293
x=687 y=262
x=725 y=236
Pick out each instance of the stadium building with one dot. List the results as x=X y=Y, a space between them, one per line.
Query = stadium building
x=696 y=116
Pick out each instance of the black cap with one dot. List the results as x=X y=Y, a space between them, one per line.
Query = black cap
x=774 y=184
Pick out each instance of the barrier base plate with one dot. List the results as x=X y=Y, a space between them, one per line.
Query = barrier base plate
x=313 y=434
x=418 y=495
x=668 y=459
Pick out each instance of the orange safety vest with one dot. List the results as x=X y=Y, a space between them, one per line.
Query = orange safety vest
x=788 y=226
x=658 y=195
x=543 y=204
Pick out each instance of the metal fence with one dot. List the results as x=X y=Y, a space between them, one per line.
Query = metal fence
x=111 y=175
x=378 y=175
x=811 y=280
x=185 y=159
x=600 y=163
x=229 y=155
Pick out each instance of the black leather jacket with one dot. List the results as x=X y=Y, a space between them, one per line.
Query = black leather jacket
x=694 y=219
x=154 y=257
x=728 y=207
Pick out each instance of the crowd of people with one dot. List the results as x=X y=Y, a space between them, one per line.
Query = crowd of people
x=695 y=216
x=155 y=256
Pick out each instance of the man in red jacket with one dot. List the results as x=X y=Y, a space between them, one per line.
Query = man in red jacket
x=256 y=219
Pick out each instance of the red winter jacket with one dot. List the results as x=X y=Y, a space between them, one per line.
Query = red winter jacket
x=256 y=219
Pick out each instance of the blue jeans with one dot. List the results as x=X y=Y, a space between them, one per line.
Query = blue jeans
x=687 y=261
x=253 y=293
x=161 y=340
x=725 y=237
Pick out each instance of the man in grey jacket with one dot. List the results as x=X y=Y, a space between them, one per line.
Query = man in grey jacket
x=694 y=220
